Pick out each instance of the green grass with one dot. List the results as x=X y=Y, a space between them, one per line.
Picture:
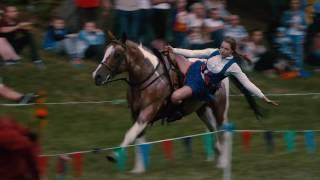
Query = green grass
x=82 y=127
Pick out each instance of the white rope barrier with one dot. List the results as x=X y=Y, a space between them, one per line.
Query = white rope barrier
x=121 y=101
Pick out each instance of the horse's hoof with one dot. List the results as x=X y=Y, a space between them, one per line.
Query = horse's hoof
x=111 y=158
x=137 y=171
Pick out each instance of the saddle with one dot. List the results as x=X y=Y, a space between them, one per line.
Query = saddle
x=170 y=112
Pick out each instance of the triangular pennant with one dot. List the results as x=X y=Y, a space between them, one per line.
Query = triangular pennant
x=42 y=165
x=77 y=160
x=208 y=141
x=246 y=140
x=145 y=150
x=121 y=158
x=310 y=141
x=269 y=140
x=289 y=137
x=187 y=142
x=167 y=148
x=62 y=166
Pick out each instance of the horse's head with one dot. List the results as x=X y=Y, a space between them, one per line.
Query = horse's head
x=113 y=62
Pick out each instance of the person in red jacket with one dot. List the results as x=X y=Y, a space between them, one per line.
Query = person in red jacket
x=18 y=151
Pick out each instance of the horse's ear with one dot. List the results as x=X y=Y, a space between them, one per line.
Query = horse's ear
x=111 y=36
x=123 y=38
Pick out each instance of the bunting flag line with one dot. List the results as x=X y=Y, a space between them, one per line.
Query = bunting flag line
x=246 y=140
x=167 y=148
x=310 y=141
x=208 y=141
x=145 y=151
x=290 y=137
x=77 y=160
x=269 y=140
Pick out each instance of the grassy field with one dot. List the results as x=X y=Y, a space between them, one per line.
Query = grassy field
x=82 y=126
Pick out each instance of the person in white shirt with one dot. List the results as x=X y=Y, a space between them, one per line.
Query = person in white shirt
x=203 y=78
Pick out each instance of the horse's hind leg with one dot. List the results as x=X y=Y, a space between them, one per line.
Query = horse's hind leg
x=206 y=115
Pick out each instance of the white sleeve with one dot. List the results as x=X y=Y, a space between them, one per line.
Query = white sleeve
x=205 y=53
x=236 y=71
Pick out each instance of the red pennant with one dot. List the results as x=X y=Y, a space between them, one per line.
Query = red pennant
x=42 y=165
x=77 y=164
x=62 y=165
x=246 y=139
x=167 y=147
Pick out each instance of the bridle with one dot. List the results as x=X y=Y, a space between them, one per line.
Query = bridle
x=130 y=82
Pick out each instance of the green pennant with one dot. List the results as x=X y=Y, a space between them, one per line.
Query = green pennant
x=208 y=141
x=121 y=158
x=289 y=137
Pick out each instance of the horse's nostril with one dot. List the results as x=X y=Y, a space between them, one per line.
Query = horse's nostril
x=98 y=80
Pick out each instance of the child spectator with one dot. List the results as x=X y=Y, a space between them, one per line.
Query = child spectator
x=7 y=53
x=284 y=50
x=215 y=26
x=180 y=28
x=295 y=20
x=93 y=41
x=55 y=35
x=18 y=33
x=235 y=30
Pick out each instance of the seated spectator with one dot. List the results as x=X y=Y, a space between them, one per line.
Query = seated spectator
x=198 y=38
x=19 y=151
x=55 y=35
x=235 y=30
x=18 y=33
x=93 y=41
x=261 y=59
x=7 y=53
x=220 y=5
x=215 y=26
x=180 y=29
x=283 y=45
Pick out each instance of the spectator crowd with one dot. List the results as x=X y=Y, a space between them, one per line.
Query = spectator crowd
x=79 y=31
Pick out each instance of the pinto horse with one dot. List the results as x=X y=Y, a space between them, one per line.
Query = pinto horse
x=149 y=89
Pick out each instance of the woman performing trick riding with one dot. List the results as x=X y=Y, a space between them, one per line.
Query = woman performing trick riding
x=203 y=77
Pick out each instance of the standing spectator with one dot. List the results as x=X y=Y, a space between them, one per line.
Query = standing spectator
x=88 y=10
x=215 y=26
x=220 y=5
x=235 y=30
x=7 y=53
x=314 y=53
x=128 y=15
x=161 y=11
x=295 y=20
x=180 y=28
x=19 y=152
x=145 y=25
x=18 y=33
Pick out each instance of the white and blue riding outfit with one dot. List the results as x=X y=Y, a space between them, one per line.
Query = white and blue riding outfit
x=204 y=77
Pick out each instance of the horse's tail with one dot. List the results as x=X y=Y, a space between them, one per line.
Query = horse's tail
x=250 y=99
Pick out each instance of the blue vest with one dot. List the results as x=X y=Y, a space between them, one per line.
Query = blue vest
x=213 y=80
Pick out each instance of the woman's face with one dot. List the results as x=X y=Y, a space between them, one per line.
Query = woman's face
x=225 y=49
